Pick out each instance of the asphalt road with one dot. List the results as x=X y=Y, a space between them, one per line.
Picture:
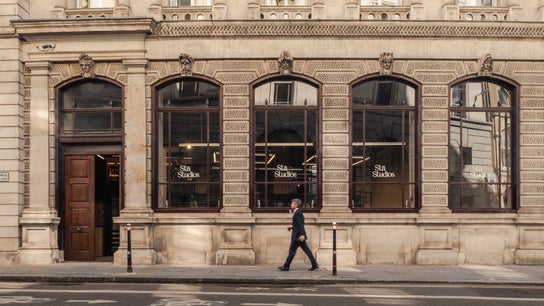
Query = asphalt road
x=259 y=295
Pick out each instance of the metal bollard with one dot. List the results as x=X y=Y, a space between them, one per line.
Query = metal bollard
x=334 y=248
x=129 y=251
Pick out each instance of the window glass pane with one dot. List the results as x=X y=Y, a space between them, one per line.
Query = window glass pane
x=189 y=94
x=286 y=93
x=96 y=3
x=480 y=154
x=383 y=93
x=381 y=2
x=91 y=107
x=476 y=2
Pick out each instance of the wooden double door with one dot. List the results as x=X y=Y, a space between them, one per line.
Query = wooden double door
x=91 y=201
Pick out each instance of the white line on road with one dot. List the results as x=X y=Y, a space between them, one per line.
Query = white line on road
x=298 y=294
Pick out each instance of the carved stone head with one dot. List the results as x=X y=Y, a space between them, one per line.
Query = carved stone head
x=186 y=61
x=486 y=65
x=86 y=64
x=386 y=63
x=285 y=63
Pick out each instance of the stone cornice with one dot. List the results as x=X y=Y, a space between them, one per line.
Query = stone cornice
x=37 y=27
x=356 y=28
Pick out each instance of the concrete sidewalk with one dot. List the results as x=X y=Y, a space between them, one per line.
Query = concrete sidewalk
x=72 y=272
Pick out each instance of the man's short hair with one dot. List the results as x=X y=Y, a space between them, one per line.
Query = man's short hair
x=298 y=202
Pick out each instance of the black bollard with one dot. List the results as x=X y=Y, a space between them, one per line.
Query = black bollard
x=334 y=248
x=129 y=251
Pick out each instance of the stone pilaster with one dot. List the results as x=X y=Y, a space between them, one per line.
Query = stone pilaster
x=436 y=246
x=137 y=208
x=39 y=221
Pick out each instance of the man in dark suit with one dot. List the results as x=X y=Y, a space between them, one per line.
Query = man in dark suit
x=298 y=238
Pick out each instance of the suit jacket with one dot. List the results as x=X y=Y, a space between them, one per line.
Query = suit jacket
x=298 y=226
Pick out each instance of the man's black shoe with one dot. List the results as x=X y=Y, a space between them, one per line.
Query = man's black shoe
x=313 y=268
x=282 y=268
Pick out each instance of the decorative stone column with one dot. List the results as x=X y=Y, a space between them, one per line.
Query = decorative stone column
x=436 y=246
x=137 y=205
x=39 y=221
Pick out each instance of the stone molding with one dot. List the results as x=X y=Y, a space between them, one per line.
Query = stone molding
x=444 y=29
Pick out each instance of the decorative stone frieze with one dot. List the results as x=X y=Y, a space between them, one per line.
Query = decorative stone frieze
x=532 y=115
x=336 y=126
x=336 y=175
x=435 y=90
x=335 y=200
x=236 y=176
x=235 y=126
x=434 y=139
x=434 y=176
x=235 y=200
x=232 y=101
x=235 y=163
x=236 y=77
x=444 y=67
x=333 y=163
x=335 y=114
x=533 y=128
x=434 y=151
x=340 y=102
x=236 y=151
x=532 y=91
x=335 y=139
x=237 y=66
x=531 y=201
x=532 y=188
x=434 y=77
x=236 y=114
x=532 y=164
x=435 y=126
x=235 y=138
x=537 y=103
x=330 y=151
x=434 y=164
x=529 y=78
x=335 y=89
x=532 y=152
x=435 y=114
x=434 y=188
x=235 y=90
x=531 y=139
x=235 y=188
x=356 y=67
x=435 y=102
x=335 y=77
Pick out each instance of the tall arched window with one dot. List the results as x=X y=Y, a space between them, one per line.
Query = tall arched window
x=285 y=152
x=384 y=145
x=481 y=158
x=187 y=139
x=91 y=108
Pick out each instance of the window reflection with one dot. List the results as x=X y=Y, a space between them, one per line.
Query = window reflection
x=480 y=154
x=285 y=150
x=188 y=147
x=91 y=108
x=383 y=145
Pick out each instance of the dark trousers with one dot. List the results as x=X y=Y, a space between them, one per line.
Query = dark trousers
x=293 y=250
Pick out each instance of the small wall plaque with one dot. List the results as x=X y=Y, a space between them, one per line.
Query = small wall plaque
x=4 y=176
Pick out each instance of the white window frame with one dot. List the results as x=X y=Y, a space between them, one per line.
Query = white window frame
x=193 y=3
x=477 y=2
x=380 y=2
x=96 y=3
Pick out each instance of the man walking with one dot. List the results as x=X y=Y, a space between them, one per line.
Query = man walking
x=298 y=238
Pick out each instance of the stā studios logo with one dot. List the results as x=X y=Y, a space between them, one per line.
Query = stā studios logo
x=185 y=172
x=381 y=172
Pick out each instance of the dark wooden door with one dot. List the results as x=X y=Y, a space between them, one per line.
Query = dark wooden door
x=80 y=200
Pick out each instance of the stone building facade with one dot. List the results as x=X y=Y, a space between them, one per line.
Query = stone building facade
x=416 y=126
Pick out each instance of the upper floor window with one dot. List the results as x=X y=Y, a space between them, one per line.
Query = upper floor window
x=187 y=145
x=91 y=107
x=190 y=2
x=285 y=152
x=285 y=2
x=384 y=145
x=481 y=158
x=380 y=2
x=476 y=3
x=96 y=3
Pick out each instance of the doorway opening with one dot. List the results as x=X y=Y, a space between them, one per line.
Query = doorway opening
x=106 y=206
x=92 y=197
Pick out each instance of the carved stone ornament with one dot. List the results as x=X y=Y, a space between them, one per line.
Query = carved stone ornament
x=186 y=61
x=285 y=63
x=486 y=65
x=386 y=63
x=86 y=64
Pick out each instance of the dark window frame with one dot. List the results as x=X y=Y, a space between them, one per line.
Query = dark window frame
x=215 y=110
x=414 y=203
x=459 y=112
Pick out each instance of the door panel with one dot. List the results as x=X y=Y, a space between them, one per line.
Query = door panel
x=80 y=198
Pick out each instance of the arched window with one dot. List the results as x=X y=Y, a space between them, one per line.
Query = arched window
x=91 y=108
x=285 y=152
x=481 y=133
x=384 y=145
x=187 y=142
